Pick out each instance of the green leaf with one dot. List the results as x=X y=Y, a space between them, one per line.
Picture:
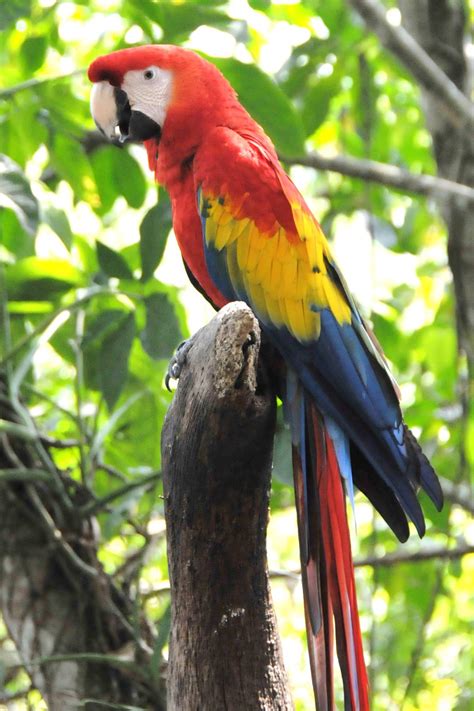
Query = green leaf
x=86 y=254
x=22 y=129
x=102 y=162
x=59 y=223
x=12 y=10
x=129 y=178
x=41 y=279
x=15 y=193
x=112 y=263
x=267 y=104
x=131 y=254
x=439 y=349
x=154 y=231
x=178 y=20
x=33 y=53
x=113 y=363
x=317 y=101
x=72 y=164
x=13 y=237
x=162 y=333
x=104 y=323
x=260 y=4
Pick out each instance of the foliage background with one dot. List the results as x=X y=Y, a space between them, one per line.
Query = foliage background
x=94 y=301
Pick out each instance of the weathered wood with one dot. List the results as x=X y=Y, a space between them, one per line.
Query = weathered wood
x=217 y=451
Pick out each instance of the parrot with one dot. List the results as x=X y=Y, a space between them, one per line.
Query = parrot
x=246 y=234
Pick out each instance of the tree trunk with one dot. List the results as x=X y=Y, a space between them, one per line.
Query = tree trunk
x=217 y=452
x=62 y=611
x=439 y=27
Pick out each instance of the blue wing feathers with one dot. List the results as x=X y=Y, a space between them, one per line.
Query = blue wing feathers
x=349 y=385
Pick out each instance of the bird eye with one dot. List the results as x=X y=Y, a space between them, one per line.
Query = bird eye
x=149 y=74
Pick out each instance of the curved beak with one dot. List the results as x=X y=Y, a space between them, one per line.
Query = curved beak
x=115 y=118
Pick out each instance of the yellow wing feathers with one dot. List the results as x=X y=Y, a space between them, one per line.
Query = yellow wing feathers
x=286 y=280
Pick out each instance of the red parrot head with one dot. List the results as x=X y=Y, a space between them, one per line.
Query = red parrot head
x=158 y=92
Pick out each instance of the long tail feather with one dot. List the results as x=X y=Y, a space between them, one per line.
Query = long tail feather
x=327 y=570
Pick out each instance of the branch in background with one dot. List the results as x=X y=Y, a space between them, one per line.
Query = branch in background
x=397 y=557
x=10 y=91
x=403 y=556
x=455 y=105
x=93 y=507
x=386 y=174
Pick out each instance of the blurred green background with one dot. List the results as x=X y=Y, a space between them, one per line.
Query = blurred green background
x=95 y=299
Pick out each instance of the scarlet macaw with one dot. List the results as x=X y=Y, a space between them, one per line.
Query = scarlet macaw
x=246 y=233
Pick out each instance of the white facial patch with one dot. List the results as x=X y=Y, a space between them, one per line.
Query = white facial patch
x=149 y=91
x=103 y=108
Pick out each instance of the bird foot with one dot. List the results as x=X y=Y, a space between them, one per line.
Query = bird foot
x=177 y=362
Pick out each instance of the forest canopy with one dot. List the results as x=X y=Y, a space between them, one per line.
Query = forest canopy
x=94 y=300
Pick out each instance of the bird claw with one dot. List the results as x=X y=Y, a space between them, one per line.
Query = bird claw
x=177 y=362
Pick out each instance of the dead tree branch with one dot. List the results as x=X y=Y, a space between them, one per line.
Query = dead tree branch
x=217 y=452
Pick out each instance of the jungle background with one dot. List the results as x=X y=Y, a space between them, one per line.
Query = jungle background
x=94 y=300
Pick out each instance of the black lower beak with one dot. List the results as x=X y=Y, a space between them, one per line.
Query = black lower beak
x=133 y=125
x=142 y=127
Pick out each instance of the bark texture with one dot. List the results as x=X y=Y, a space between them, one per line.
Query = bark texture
x=439 y=26
x=55 y=598
x=217 y=451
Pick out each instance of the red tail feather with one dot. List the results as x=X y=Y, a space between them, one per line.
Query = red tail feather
x=328 y=573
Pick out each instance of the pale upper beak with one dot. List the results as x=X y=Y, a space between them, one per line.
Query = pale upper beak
x=104 y=108
x=113 y=116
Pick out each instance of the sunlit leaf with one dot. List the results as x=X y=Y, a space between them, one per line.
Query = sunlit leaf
x=112 y=263
x=179 y=19
x=266 y=102
x=59 y=223
x=103 y=167
x=161 y=334
x=317 y=101
x=73 y=165
x=38 y=279
x=33 y=52
x=260 y=4
x=129 y=178
x=12 y=235
x=154 y=231
x=113 y=363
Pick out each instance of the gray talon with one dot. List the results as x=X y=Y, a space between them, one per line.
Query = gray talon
x=177 y=362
